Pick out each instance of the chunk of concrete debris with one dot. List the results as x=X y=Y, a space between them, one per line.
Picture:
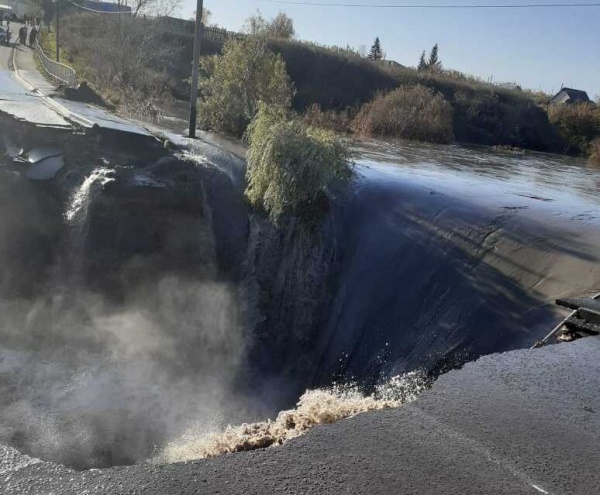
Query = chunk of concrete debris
x=46 y=169
x=38 y=154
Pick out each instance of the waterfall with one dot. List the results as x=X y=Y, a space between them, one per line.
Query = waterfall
x=80 y=200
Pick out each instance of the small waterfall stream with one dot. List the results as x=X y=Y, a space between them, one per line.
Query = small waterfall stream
x=76 y=211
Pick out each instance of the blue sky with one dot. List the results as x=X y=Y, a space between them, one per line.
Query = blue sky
x=539 y=48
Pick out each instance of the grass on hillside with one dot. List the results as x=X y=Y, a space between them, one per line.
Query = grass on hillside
x=580 y=127
x=47 y=41
x=341 y=81
x=135 y=62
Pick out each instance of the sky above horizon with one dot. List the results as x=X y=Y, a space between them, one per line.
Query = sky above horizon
x=536 y=48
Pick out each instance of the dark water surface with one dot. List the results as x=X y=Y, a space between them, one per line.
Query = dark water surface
x=449 y=252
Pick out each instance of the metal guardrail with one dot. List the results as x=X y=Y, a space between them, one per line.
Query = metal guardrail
x=62 y=73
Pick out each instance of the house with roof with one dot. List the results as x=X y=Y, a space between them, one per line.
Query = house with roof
x=570 y=95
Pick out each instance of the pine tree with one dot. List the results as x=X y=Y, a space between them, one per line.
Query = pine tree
x=376 y=53
x=434 y=63
x=422 y=64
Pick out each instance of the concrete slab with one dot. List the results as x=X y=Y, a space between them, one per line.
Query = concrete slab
x=101 y=118
x=26 y=106
x=38 y=154
x=46 y=169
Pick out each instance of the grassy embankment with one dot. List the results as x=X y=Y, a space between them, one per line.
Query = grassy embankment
x=580 y=127
x=338 y=89
x=341 y=82
x=130 y=62
x=334 y=88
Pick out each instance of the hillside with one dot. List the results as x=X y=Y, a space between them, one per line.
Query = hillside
x=332 y=78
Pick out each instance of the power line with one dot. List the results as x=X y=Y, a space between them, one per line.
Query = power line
x=431 y=6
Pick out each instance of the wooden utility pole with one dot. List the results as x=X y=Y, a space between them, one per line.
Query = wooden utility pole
x=57 y=30
x=195 y=69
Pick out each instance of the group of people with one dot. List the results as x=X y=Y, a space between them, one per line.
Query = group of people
x=32 y=35
x=25 y=32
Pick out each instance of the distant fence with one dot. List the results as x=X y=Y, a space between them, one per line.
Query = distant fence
x=62 y=73
x=219 y=35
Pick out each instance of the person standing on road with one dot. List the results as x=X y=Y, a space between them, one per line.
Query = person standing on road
x=32 y=36
x=23 y=35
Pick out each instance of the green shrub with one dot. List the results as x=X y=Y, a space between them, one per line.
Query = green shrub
x=124 y=57
x=338 y=121
x=409 y=112
x=578 y=124
x=332 y=78
x=245 y=74
x=337 y=79
x=290 y=164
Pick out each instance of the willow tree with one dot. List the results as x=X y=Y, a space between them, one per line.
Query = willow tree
x=291 y=165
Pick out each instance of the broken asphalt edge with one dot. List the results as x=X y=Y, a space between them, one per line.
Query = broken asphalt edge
x=47 y=100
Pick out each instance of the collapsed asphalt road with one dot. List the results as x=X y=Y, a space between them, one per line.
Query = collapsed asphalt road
x=520 y=422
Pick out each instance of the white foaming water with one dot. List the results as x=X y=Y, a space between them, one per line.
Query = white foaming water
x=315 y=407
x=88 y=384
x=81 y=197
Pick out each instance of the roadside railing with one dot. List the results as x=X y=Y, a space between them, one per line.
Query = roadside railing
x=219 y=35
x=62 y=73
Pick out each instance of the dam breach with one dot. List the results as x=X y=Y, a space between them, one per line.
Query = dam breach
x=143 y=298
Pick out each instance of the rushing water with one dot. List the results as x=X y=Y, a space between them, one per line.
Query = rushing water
x=484 y=174
x=80 y=200
x=435 y=255
x=449 y=252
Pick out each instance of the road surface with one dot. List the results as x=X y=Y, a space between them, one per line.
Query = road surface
x=36 y=108
x=17 y=101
